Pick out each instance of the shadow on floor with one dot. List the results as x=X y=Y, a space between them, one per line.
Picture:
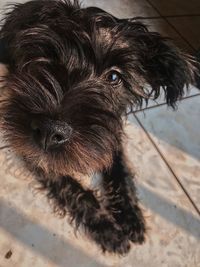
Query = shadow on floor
x=177 y=128
x=170 y=212
x=64 y=254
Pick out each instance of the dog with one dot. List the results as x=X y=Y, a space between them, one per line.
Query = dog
x=72 y=74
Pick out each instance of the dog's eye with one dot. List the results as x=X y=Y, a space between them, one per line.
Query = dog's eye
x=114 y=77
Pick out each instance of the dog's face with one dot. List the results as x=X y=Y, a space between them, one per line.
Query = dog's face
x=72 y=74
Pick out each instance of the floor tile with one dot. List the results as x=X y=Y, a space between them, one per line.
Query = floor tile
x=36 y=237
x=176 y=134
x=124 y=8
x=177 y=7
x=188 y=27
x=192 y=91
x=169 y=214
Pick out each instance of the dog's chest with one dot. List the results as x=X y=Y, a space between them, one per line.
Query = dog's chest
x=93 y=181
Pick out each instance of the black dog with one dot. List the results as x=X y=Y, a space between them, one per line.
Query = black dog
x=73 y=72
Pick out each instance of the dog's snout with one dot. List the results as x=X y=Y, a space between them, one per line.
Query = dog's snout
x=50 y=134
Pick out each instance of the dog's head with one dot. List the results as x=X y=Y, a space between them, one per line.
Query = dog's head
x=73 y=72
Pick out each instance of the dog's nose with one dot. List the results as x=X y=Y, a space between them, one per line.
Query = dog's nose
x=50 y=134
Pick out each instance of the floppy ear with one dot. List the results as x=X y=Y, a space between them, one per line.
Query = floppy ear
x=161 y=63
x=155 y=59
x=4 y=57
x=4 y=61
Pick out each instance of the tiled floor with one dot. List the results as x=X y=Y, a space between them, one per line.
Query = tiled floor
x=163 y=148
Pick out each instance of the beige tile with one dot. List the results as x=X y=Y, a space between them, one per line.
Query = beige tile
x=169 y=214
x=177 y=7
x=188 y=27
x=176 y=134
x=124 y=8
x=38 y=238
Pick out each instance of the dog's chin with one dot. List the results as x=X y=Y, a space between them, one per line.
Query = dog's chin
x=62 y=163
x=54 y=168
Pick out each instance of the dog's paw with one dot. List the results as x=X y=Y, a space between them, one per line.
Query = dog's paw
x=137 y=232
x=109 y=237
x=133 y=225
x=114 y=241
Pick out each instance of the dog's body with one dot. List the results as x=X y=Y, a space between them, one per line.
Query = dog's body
x=73 y=73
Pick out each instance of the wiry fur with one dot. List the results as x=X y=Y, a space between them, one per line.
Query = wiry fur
x=59 y=56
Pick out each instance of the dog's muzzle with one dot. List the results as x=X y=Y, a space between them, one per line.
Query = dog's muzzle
x=50 y=134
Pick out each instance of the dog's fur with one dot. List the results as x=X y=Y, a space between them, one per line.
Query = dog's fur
x=61 y=59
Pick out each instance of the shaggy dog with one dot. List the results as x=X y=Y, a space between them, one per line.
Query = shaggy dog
x=72 y=75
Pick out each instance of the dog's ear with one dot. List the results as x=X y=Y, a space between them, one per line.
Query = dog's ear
x=160 y=62
x=4 y=57
x=155 y=59
x=4 y=61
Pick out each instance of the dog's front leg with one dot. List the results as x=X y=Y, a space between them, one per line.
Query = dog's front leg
x=85 y=210
x=121 y=200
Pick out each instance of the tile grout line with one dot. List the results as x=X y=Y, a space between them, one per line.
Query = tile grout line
x=193 y=48
x=167 y=16
x=168 y=165
x=172 y=26
x=162 y=104
x=182 y=15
